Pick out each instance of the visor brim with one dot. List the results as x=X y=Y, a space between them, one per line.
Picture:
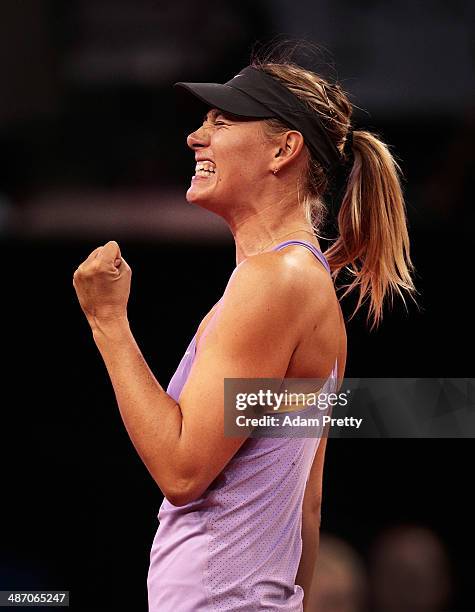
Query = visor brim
x=225 y=98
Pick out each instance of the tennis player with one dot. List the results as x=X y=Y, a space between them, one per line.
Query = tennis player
x=239 y=523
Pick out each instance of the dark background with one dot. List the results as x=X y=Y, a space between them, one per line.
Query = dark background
x=92 y=149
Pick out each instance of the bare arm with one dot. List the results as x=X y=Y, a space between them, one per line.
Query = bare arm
x=182 y=443
x=311 y=518
x=308 y=560
x=151 y=417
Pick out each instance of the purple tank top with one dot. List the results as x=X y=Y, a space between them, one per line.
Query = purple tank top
x=238 y=546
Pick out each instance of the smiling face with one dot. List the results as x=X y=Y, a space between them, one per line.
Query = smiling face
x=232 y=161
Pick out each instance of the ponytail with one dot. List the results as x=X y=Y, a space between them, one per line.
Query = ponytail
x=373 y=242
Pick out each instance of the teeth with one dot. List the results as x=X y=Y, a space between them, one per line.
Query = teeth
x=205 y=168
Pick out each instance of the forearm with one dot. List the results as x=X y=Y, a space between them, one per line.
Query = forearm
x=152 y=417
x=310 y=542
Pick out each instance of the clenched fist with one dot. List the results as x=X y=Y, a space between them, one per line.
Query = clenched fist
x=102 y=284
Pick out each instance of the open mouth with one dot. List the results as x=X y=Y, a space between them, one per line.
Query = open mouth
x=205 y=169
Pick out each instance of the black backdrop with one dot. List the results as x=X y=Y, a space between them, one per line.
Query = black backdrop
x=81 y=109
x=79 y=508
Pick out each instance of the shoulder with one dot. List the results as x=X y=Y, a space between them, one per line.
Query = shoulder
x=289 y=279
x=261 y=308
x=270 y=282
x=272 y=272
x=273 y=292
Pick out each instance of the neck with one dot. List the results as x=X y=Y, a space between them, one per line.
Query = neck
x=262 y=230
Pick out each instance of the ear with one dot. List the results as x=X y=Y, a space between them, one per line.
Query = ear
x=288 y=149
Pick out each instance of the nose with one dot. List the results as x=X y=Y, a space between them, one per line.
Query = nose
x=198 y=138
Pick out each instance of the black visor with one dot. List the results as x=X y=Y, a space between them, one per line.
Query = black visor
x=255 y=94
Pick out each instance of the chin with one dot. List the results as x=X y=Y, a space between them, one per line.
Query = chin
x=197 y=195
x=209 y=203
x=195 y=198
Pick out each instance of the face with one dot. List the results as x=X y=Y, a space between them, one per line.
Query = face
x=237 y=160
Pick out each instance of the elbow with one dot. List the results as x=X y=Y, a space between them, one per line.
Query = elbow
x=180 y=485
x=176 y=484
x=180 y=493
x=178 y=498
x=186 y=494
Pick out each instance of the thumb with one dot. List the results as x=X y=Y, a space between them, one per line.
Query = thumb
x=110 y=252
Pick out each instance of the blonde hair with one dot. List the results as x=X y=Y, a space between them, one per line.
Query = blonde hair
x=373 y=242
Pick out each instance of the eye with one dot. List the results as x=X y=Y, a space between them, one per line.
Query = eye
x=219 y=123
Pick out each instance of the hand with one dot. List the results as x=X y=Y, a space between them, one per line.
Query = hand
x=102 y=284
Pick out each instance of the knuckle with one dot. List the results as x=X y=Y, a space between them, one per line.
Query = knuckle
x=95 y=266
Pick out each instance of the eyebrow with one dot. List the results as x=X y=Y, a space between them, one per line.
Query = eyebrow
x=214 y=113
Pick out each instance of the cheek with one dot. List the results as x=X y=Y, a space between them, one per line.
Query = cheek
x=239 y=158
x=243 y=164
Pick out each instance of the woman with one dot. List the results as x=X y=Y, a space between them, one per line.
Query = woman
x=240 y=519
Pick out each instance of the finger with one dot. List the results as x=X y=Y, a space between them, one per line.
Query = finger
x=110 y=251
x=124 y=265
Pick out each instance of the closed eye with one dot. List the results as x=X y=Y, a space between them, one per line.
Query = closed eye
x=213 y=121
